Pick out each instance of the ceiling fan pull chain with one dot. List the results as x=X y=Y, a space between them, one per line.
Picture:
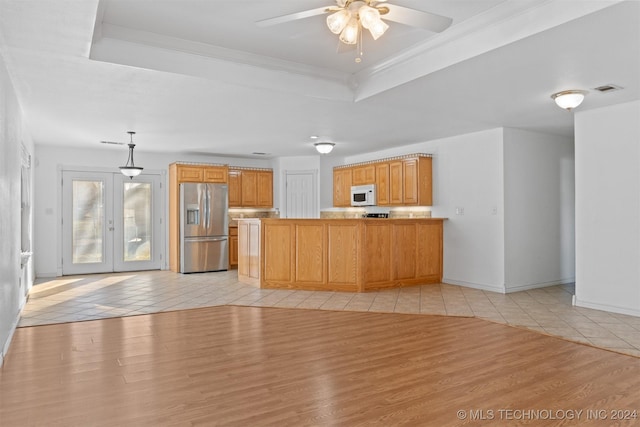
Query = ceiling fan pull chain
x=359 y=51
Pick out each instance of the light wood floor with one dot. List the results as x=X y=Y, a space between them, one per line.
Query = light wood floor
x=251 y=366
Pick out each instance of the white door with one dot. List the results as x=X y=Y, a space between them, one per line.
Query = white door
x=301 y=194
x=110 y=223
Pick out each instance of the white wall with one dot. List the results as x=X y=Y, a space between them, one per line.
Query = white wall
x=467 y=173
x=12 y=136
x=608 y=208
x=539 y=210
x=49 y=159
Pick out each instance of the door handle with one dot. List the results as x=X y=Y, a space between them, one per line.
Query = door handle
x=111 y=228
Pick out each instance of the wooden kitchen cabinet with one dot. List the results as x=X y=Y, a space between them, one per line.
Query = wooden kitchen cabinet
x=216 y=174
x=250 y=188
x=233 y=247
x=382 y=183
x=353 y=255
x=363 y=175
x=264 y=187
x=342 y=187
x=417 y=182
x=235 y=189
x=196 y=173
x=410 y=182
x=396 y=183
x=400 y=181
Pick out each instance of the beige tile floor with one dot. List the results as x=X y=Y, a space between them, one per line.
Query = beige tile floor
x=547 y=310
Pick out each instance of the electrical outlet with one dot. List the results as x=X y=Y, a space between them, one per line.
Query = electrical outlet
x=494 y=211
x=459 y=211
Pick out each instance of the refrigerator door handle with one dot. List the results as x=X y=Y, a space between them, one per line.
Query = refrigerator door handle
x=206 y=239
x=207 y=208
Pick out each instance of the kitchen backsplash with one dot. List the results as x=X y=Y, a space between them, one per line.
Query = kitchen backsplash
x=400 y=212
x=235 y=213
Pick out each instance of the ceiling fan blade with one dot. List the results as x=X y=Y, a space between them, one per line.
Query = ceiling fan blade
x=417 y=18
x=292 y=16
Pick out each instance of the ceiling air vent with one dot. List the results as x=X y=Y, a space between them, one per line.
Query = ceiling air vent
x=607 y=88
x=256 y=153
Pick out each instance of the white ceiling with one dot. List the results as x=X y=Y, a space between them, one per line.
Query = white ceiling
x=201 y=76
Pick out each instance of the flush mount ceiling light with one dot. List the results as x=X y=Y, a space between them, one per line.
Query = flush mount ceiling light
x=569 y=99
x=324 y=147
x=349 y=17
x=130 y=169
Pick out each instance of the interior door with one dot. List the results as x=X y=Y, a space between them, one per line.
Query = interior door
x=301 y=194
x=111 y=223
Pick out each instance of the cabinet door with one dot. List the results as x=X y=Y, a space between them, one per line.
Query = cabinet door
x=215 y=174
x=233 y=247
x=249 y=188
x=363 y=175
x=410 y=181
x=190 y=173
x=425 y=181
x=235 y=188
x=395 y=183
x=264 y=189
x=342 y=187
x=382 y=184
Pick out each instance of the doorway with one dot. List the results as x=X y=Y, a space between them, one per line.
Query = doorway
x=111 y=223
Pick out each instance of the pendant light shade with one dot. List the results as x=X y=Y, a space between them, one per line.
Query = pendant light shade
x=130 y=169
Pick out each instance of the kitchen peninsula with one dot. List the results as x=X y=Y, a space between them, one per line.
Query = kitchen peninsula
x=354 y=255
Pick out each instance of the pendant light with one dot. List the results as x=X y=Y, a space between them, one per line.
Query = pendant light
x=130 y=169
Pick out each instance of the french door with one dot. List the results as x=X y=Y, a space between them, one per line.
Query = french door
x=111 y=223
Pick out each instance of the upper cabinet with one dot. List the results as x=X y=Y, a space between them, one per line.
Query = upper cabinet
x=363 y=175
x=401 y=181
x=198 y=173
x=342 y=181
x=382 y=184
x=250 y=188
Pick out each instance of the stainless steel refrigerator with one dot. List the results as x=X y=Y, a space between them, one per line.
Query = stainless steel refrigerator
x=204 y=227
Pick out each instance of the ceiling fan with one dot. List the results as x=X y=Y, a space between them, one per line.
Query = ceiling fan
x=348 y=18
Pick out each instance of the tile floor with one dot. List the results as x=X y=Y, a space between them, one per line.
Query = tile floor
x=547 y=310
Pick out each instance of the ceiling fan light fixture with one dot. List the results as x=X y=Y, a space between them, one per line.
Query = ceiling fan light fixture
x=338 y=20
x=349 y=34
x=324 y=147
x=569 y=99
x=378 y=28
x=368 y=16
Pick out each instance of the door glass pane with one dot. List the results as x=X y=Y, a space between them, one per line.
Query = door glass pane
x=88 y=221
x=137 y=221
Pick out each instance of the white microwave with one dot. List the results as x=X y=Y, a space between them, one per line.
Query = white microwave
x=363 y=195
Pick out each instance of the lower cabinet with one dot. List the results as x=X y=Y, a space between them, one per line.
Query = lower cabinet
x=353 y=255
x=233 y=247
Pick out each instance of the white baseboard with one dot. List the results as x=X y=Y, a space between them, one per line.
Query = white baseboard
x=530 y=286
x=606 y=307
x=7 y=343
x=481 y=286
x=12 y=330
x=47 y=275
